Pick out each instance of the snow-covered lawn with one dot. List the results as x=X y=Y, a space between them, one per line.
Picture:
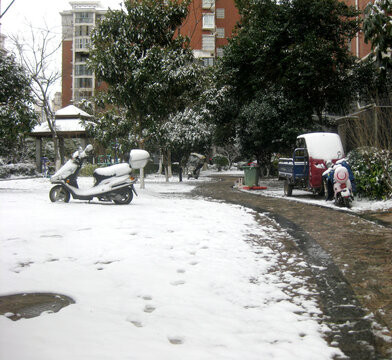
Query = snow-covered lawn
x=166 y=277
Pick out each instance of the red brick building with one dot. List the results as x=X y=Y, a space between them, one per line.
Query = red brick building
x=358 y=46
x=78 y=82
x=208 y=25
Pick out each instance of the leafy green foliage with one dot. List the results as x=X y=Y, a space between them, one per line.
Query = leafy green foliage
x=220 y=161
x=150 y=72
x=289 y=60
x=377 y=28
x=88 y=169
x=372 y=170
x=16 y=115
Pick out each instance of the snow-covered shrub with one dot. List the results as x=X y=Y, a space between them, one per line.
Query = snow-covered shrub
x=220 y=161
x=20 y=169
x=372 y=171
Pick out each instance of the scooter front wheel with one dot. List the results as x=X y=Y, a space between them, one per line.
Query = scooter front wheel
x=123 y=197
x=59 y=193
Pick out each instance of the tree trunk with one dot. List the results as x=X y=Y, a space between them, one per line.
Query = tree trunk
x=56 y=146
x=142 y=184
x=169 y=164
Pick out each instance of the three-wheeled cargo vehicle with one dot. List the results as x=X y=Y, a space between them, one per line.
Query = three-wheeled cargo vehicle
x=304 y=170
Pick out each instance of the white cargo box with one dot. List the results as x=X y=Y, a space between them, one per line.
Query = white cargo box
x=138 y=158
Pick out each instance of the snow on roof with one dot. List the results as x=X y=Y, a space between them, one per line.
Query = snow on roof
x=62 y=125
x=71 y=111
x=323 y=145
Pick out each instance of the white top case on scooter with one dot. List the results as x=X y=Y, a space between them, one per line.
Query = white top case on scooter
x=114 y=170
x=138 y=158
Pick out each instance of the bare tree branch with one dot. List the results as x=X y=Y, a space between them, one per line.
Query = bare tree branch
x=36 y=55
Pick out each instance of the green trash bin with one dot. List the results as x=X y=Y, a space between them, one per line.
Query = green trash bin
x=252 y=174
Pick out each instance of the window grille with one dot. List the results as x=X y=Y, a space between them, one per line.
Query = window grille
x=220 y=13
x=220 y=33
x=208 y=42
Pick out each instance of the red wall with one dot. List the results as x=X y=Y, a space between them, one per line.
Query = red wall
x=66 y=85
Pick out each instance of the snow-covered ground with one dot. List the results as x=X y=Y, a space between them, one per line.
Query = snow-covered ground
x=166 y=277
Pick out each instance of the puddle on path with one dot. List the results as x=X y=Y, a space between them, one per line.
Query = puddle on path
x=29 y=305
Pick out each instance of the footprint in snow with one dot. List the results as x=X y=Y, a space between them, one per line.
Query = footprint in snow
x=149 y=308
x=178 y=282
x=176 y=340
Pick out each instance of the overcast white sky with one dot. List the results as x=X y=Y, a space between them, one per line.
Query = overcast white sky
x=38 y=13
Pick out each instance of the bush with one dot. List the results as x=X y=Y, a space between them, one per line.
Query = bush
x=220 y=161
x=87 y=170
x=372 y=170
x=20 y=169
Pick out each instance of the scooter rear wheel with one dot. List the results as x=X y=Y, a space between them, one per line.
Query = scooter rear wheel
x=126 y=196
x=59 y=194
x=347 y=203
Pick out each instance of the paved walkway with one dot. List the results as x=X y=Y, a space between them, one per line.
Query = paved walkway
x=350 y=257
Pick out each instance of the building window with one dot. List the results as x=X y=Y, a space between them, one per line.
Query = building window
x=80 y=95
x=84 y=17
x=82 y=30
x=208 y=21
x=208 y=61
x=81 y=70
x=220 y=13
x=81 y=57
x=83 y=83
x=208 y=4
x=220 y=33
x=219 y=52
x=208 y=42
x=82 y=43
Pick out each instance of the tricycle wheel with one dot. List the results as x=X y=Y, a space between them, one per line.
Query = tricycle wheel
x=288 y=188
x=59 y=193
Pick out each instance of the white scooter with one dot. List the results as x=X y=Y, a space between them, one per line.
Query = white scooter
x=342 y=187
x=112 y=183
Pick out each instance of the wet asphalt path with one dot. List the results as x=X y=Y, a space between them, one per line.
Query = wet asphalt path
x=350 y=261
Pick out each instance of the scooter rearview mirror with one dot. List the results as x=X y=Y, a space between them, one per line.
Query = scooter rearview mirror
x=88 y=148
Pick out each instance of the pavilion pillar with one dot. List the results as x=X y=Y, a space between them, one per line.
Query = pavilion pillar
x=61 y=147
x=83 y=142
x=38 y=153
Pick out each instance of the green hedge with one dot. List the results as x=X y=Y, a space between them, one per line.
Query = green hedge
x=372 y=170
x=220 y=161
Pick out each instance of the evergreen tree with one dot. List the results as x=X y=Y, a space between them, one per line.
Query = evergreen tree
x=148 y=67
x=288 y=61
x=377 y=28
x=16 y=115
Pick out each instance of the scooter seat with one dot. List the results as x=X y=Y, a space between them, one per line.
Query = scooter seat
x=111 y=171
